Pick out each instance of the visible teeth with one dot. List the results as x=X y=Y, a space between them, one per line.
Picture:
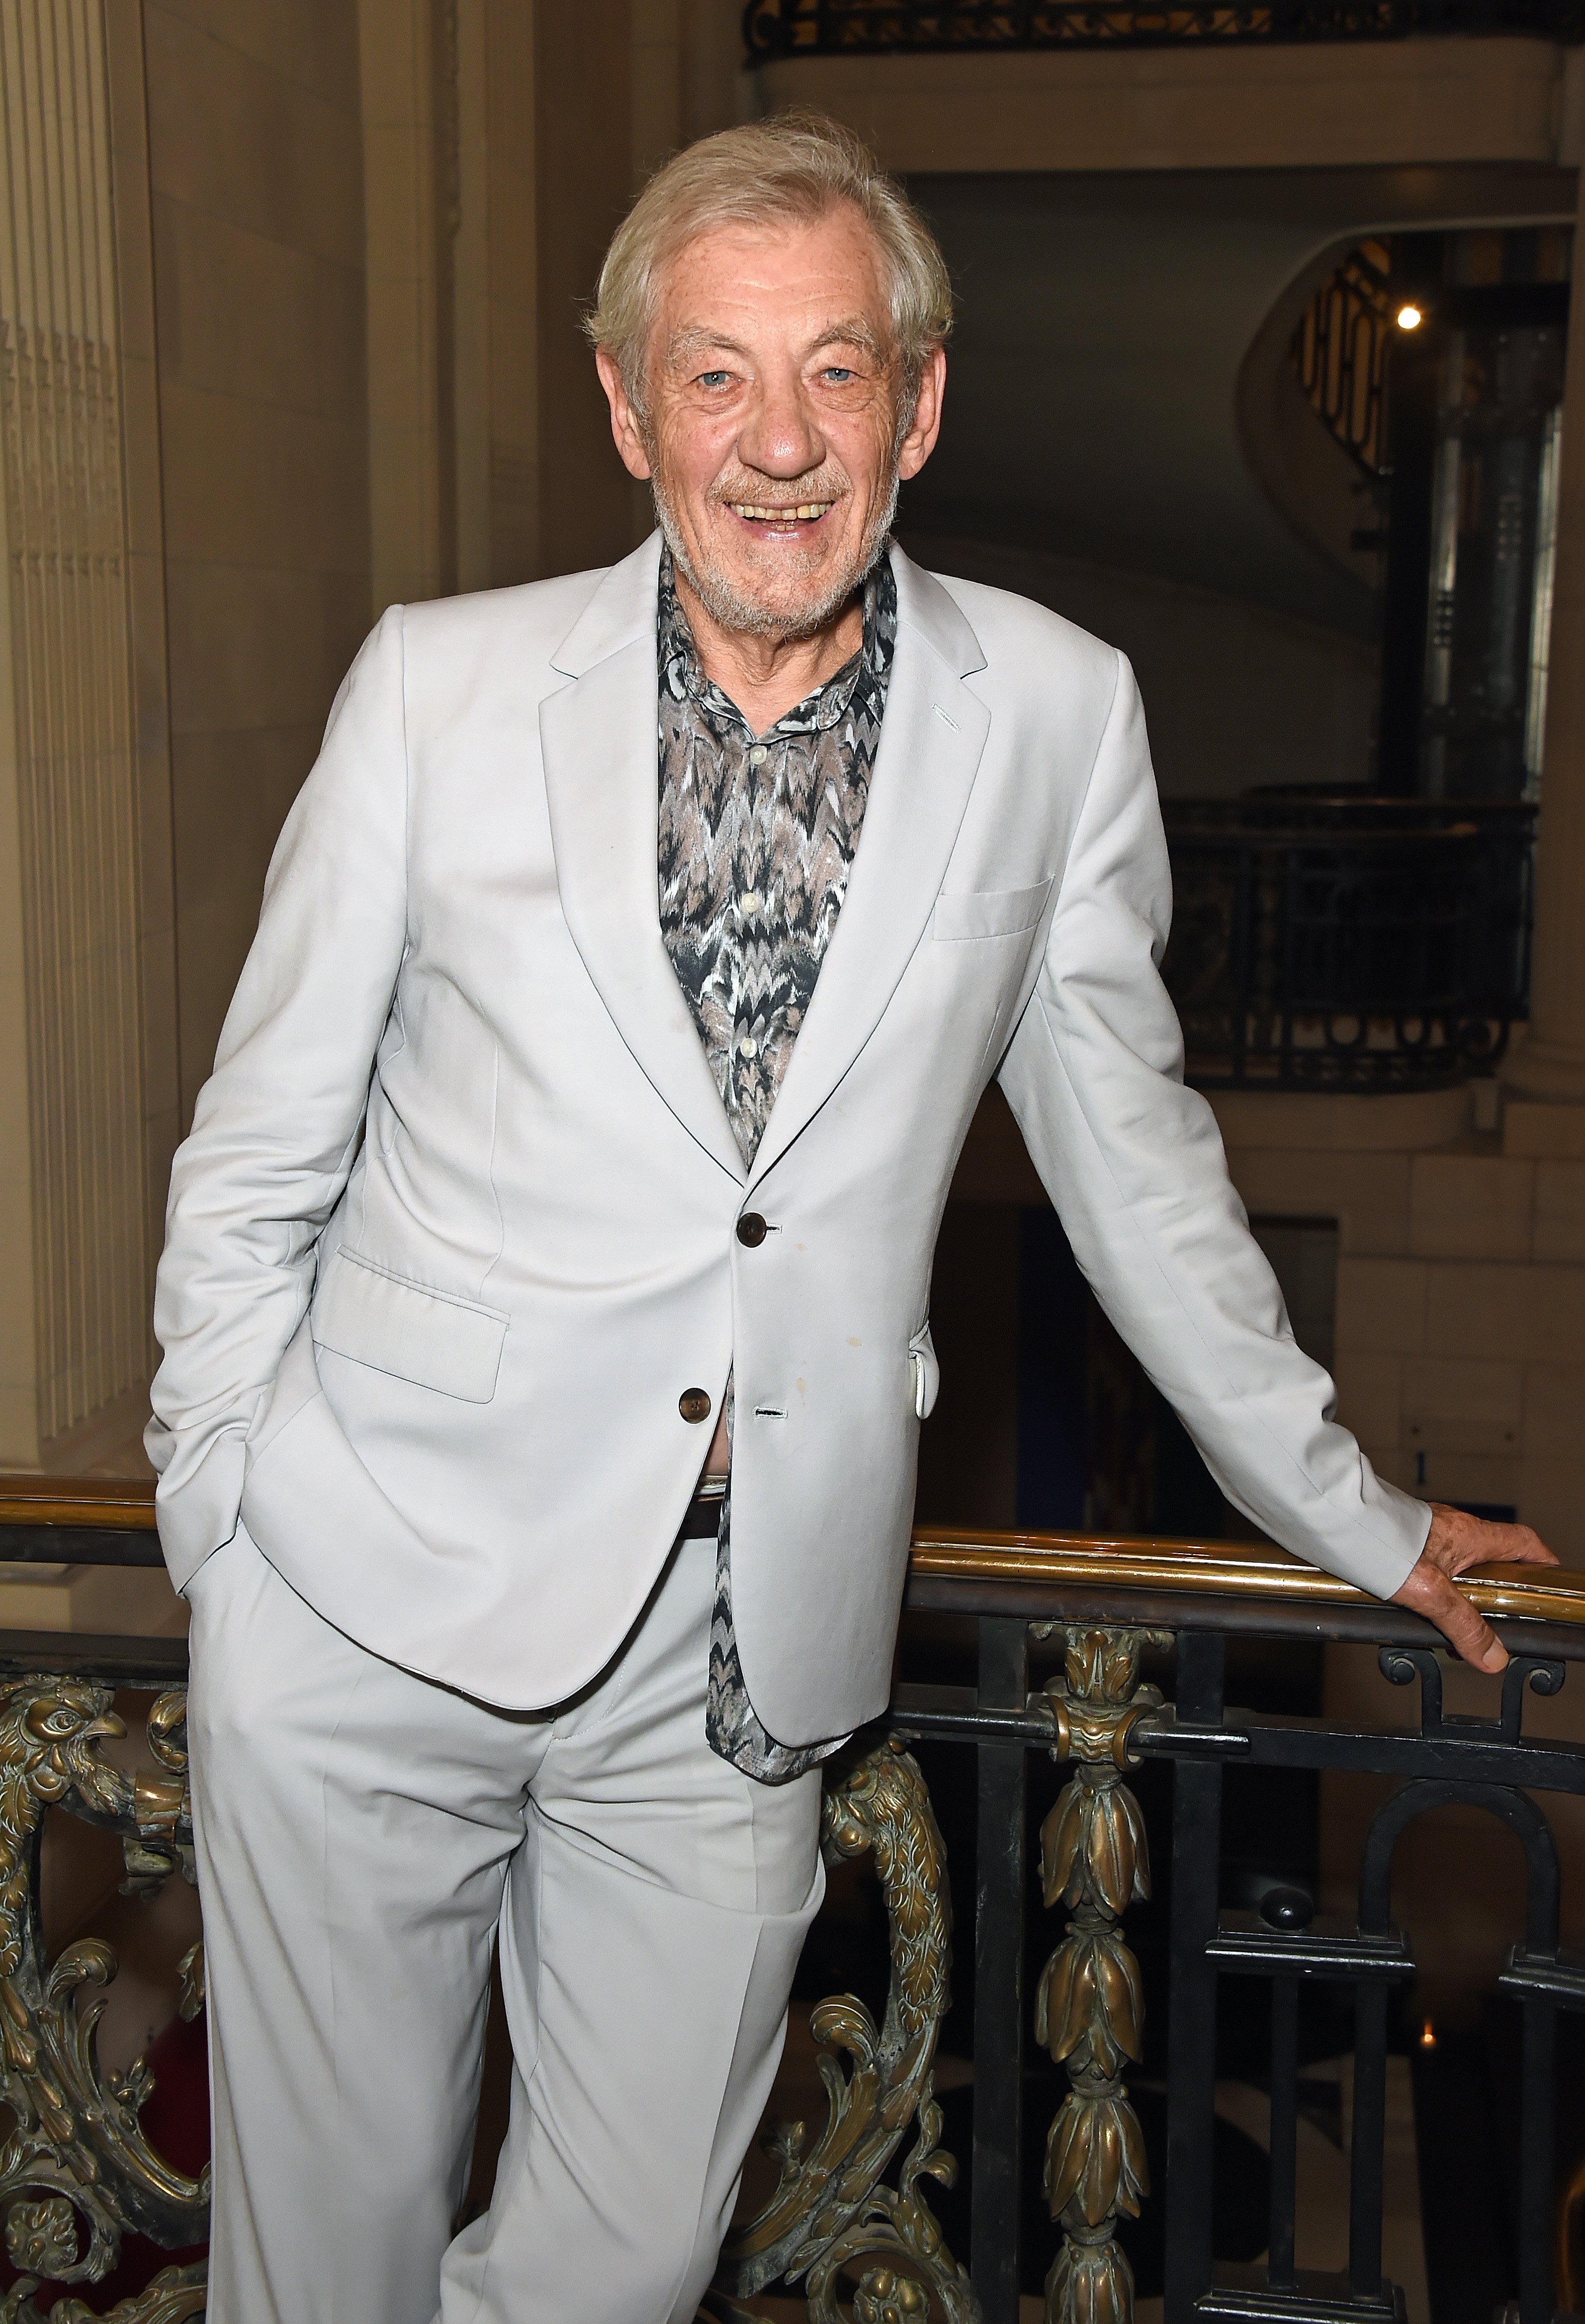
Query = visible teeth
x=803 y=511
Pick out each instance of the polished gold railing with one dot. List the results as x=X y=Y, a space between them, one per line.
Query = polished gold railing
x=948 y=1560
x=93 y=1503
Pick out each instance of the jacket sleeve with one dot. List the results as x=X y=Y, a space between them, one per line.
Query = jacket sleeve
x=280 y=1122
x=1133 y=1163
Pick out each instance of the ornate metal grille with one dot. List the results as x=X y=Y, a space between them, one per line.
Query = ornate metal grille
x=1342 y=942
x=1340 y=352
x=782 y=28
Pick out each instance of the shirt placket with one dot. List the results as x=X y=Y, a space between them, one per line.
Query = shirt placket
x=763 y=785
x=755 y=902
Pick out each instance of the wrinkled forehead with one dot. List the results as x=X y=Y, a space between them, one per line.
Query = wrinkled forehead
x=806 y=282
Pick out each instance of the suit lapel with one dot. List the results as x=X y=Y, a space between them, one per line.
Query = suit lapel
x=931 y=740
x=598 y=737
x=599 y=741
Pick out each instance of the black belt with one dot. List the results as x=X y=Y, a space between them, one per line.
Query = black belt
x=703 y=1521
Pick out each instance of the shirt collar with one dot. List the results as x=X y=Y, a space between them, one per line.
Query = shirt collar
x=682 y=673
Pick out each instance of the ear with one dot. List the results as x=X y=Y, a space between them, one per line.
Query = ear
x=925 y=425
x=624 y=420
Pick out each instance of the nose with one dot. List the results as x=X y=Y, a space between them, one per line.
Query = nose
x=782 y=439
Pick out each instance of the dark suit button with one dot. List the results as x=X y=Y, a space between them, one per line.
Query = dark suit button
x=694 y=1404
x=751 y=1229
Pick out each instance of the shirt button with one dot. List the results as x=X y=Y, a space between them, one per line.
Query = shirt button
x=694 y=1404
x=751 y=1229
x=757 y=755
x=748 y=1046
x=750 y=900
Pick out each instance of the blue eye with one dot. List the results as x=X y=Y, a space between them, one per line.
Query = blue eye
x=712 y=378
x=837 y=371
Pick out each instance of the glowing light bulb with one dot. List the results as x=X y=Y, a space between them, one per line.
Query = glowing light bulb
x=1409 y=318
x=1428 y=2035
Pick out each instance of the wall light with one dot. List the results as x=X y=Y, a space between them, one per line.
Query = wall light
x=1409 y=319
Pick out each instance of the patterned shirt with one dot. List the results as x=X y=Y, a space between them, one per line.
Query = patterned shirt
x=758 y=834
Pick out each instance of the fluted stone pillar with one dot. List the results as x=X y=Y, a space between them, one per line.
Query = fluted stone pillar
x=1550 y=1065
x=73 y=1292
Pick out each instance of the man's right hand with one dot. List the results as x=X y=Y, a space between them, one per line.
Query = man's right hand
x=1457 y=1541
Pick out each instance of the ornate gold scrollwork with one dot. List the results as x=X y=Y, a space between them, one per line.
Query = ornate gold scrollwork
x=172 y=2296
x=830 y=2211
x=1090 y=2006
x=76 y=2170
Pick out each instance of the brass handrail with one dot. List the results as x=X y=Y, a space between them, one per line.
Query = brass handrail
x=1255 y=1573
x=114 y=1503
x=1227 y=1568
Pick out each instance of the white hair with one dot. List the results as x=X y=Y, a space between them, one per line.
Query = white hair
x=794 y=167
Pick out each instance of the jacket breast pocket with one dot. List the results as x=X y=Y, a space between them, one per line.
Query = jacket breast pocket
x=988 y=912
x=431 y=1338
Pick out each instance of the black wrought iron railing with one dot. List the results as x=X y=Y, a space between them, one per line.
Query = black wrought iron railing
x=1025 y=1699
x=774 y=29
x=1340 y=941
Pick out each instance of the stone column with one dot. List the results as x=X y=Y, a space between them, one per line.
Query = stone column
x=73 y=1299
x=405 y=60
x=1550 y=1066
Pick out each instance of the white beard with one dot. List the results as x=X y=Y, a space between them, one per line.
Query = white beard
x=741 y=615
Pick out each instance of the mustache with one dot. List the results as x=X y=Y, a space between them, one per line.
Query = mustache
x=821 y=484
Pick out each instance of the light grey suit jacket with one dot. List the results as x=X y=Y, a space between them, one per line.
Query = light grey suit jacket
x=454 y=1229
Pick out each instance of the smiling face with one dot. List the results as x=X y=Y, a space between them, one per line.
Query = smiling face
x=771 y=427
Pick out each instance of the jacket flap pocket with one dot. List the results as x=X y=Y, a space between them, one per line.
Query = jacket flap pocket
x=992 y=912
x=400 y=1327
x=927 y=1373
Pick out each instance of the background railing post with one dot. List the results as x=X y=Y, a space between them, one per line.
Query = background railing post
x=1191 y=2106
x=1285 y=2129
x=1090 y=2009
x=1536 y=2162
x=999 y=1978
x=1368 y=2138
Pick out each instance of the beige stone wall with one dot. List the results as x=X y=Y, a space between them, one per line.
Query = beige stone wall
x=145 y=565
x=498 y=462
x=1220 y=676
x=257 y=199
x=1332 y=105
x=1460 y=1316
x=583 y=139
x=404 y=92
x=72 y=1214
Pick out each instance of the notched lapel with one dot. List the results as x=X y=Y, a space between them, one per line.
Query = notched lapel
x=601 y=756
x=931 y=740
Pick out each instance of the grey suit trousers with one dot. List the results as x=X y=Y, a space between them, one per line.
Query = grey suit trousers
x=363 y=1834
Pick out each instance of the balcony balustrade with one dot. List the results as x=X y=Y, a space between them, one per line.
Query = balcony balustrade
x=1062 y=1628
x=1324 y=942
x=774 y=29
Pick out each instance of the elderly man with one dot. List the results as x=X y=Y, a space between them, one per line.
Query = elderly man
x=546 y=1301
